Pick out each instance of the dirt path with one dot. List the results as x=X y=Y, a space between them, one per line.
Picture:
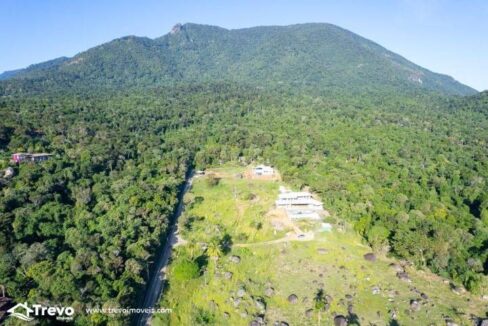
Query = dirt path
x=309 y=236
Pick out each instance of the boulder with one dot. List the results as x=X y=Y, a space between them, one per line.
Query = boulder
x=458 y=290
x=375 y=290
x=260 y=304
x=483 y=322
x=292 y=298
x=228 y=275
x=403 y=276
x=370 y=256
x=269 y=292
x=280 y=323
x=235 y=259
x=340 y=320
x=258 y=321
x=414 y=305
x=424 y=296
x=309 y=313
x=241 y=292
x=9 y=172
x=397 y=267
x=322 y=251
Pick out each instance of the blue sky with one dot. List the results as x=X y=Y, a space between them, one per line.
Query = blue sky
x=447 y=36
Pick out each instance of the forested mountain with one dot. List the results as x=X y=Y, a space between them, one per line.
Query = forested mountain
x=402 y=162
x=317 y=56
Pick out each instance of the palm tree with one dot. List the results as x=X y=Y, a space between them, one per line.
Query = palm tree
x=214 y=249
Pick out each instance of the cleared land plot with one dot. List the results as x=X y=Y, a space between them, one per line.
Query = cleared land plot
x=258 y=280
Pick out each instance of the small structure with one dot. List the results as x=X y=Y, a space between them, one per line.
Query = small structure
x=28 y=157
x=263 y=170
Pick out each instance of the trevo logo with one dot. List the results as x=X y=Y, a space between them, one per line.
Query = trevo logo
x=26 y=313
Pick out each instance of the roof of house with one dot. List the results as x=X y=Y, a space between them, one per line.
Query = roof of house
x=288 y=195
x=264 y=167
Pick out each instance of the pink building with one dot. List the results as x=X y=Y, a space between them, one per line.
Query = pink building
x=27 y=157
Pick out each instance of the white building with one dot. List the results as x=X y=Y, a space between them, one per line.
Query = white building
x=298 y=200
x=263 y=170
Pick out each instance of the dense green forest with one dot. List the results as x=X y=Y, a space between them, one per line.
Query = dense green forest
x=404 y=163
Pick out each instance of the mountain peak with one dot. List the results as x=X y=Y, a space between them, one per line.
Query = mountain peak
x=176 y=28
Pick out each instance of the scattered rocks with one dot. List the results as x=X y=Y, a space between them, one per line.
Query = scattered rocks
x=322 y=251
x=403 y=276
x=414 y=305
x=309 y=313
x=340 y=320
x=370 y=257
x=235 y=259
x=292 y=298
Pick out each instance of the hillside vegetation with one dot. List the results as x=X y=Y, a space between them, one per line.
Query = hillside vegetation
x=308 y=56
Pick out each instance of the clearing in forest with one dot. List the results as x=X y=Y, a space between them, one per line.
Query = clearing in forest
x=241 y=261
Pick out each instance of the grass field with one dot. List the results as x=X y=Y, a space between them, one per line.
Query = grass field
x=213 y=288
